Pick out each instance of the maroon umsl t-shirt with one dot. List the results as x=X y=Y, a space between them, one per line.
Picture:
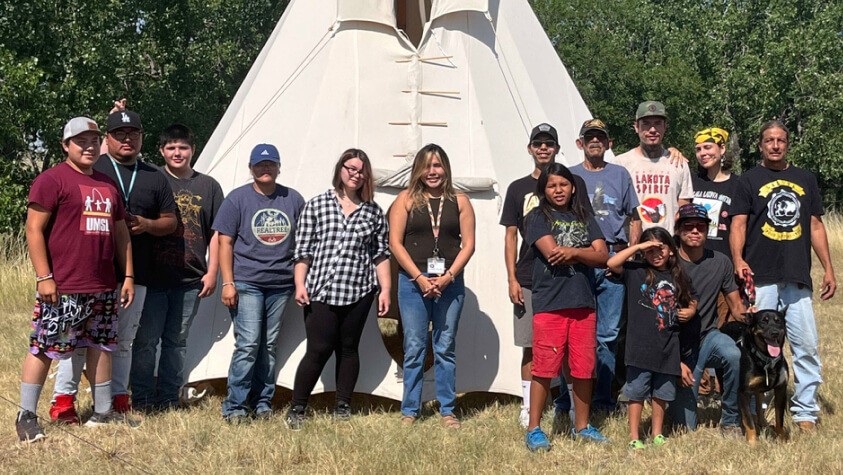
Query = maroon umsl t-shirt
x=80 y=233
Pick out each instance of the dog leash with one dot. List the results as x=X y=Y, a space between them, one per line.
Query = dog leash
x=748 y=289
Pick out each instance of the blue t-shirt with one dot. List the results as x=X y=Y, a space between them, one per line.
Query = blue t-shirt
x=565 y=285
x=263 y=229
x=612 y=196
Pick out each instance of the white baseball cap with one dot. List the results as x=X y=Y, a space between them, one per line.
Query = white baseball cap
x=78 y=125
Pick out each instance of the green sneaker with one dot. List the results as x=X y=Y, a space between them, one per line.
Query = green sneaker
x=659 y=440
x=636 y=445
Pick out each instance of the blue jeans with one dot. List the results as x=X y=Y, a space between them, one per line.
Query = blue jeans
x=804 y=342
x=717 y=350
x=417 y=313
x=166 y=318
x=257 y=322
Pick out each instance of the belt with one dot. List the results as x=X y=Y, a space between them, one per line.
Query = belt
x=618 y=246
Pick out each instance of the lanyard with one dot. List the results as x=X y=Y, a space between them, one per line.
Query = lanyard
x=435 y=223
x=120 y=181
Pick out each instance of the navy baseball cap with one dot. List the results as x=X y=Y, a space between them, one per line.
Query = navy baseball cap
x=264 y=152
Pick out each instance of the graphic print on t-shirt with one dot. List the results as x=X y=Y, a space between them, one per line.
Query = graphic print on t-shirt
x=530 y=202
x=652 y=210
x=661 y=297
x=783 y=210
x=713 y=207
x=96 y=212
x=601 y=202
x=568 y=234
x=271 y=226
x=190 y=209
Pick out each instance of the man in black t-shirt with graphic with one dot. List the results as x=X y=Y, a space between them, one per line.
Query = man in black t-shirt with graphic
x=151 y=213
x=776 y=220
x=520 y=200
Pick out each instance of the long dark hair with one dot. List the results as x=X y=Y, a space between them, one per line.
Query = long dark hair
x=417 y=188
x=574 y=203
x=680 y=279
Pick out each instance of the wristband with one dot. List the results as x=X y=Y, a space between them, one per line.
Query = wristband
x=42 y=278
x=417 y=277
x=129 y=277
x=451 y=274
x=227 y=283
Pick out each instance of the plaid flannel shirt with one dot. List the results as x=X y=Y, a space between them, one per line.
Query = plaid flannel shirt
x=342 y=249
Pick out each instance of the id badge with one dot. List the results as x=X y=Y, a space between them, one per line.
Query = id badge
x=436 y=265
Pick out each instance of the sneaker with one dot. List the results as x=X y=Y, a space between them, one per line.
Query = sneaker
x=121 y=404
x=343 y=411
x=28 y=428
x=264 y=415
x=63 y=410
x=524 y=417
x=537 y=440
x=296 y=417
x=590 y=434
x=636 y=445
x=659 y=440
x=112 y=417
x=237 y=419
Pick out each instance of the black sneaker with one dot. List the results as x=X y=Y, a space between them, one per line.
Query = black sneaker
x=112 y=417
x=342 y=412
x=265 y=415
x=296 y=417
x=28 y=428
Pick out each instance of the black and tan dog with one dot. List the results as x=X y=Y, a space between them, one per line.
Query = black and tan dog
x=763 y=367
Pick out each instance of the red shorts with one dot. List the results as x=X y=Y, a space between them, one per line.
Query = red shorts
x=572 y=332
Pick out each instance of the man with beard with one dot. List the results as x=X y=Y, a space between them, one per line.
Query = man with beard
x=661 y=186
x=520 y=200
x=150 y=214
x=614 y=201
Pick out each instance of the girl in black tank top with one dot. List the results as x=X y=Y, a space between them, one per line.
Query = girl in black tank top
x=432 y=237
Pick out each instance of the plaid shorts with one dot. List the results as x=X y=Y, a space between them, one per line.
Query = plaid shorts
x=76 y=321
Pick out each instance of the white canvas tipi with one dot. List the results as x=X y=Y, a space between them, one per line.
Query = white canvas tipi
x=389 y=76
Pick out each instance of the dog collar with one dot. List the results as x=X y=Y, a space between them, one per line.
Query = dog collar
x=769 y=362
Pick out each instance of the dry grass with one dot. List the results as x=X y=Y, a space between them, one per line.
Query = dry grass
x=197 y=440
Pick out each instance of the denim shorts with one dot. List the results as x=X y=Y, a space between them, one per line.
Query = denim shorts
x=642 y=384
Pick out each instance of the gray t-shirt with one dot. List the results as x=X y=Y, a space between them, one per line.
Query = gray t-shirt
x=263 y=229
x=612 y=196
x=709 y=276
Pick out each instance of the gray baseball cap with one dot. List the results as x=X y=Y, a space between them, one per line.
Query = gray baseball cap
x=78 y=125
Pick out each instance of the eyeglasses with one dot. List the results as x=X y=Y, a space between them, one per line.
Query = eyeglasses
x=701 y=227
x=539 y=143
x=120 y=135
x=354 y=171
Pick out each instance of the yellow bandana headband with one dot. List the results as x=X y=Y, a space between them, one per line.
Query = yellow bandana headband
x=713 y=134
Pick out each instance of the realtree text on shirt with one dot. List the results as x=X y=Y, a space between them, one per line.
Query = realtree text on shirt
x=779 y=206
x=80 y=234
x=652 y=330
x=716 y=198
x=659 y=185
x=263 y=229
x=557 y=287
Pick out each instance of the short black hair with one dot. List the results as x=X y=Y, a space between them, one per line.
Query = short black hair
x=176 y=132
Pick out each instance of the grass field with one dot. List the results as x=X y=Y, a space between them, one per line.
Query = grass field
x=196 y=440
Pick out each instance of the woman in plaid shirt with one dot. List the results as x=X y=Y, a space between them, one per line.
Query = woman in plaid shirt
x=342 y=264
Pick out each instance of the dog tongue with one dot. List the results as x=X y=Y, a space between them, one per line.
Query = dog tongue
x=773 y=351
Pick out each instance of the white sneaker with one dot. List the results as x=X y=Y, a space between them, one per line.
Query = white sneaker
x=524 y=417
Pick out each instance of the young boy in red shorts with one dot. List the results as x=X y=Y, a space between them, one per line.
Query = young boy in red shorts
x=74 y=229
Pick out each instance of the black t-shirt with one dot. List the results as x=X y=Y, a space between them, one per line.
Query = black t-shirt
x=561 y=286
x=519 y=201
x=779 y=206
x=716 y=197
x=710 y=275
x=150 y=196
x=179 y=259
x=652 y=331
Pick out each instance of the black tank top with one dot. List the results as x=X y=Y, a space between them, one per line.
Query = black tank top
x=418 y=236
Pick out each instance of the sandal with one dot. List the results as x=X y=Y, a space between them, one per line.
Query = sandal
x=407 y=421
x=451 y=422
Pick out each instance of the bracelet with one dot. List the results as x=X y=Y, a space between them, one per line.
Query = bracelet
x=227 y=283
x=451 y=274
x=417 y=277
x=129 y=277
x=42 y=278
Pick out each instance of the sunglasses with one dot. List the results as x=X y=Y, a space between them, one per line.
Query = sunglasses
x=701 y=227
x=121 y=135
x=353 y=171
x=539 y=143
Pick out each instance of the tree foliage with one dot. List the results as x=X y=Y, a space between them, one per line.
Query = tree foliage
x=731 y=63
